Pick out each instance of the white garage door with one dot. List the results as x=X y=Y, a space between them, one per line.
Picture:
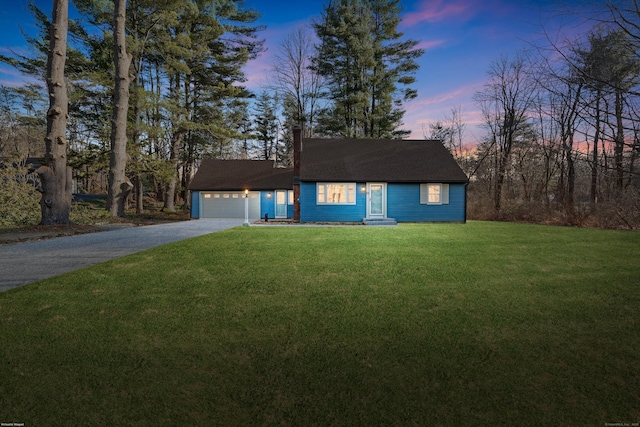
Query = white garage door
x=229 y=204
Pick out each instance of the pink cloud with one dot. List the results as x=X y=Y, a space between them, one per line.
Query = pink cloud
x=257 y=71
x=424 y=111
x=436 y=10
x=431 y=44
x=442 y=98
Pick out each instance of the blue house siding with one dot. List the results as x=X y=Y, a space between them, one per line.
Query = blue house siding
x=195 y=204
x=267 y=204
x=403 y=204
x=310 y=211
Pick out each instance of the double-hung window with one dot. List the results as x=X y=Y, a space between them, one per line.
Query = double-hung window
x=336 y=193
x=434 y=194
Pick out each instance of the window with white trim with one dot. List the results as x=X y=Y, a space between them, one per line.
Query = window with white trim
x=434 y=194
x=336 y=193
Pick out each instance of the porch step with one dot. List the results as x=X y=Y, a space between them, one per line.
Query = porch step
x=379 y=221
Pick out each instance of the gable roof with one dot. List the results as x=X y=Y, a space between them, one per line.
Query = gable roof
x=237 y=175
x=397 y=160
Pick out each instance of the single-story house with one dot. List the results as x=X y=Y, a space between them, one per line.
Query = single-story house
x=338 y=180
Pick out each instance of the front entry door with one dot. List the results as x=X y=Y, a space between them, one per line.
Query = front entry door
x=377 y=200
x=281 y=203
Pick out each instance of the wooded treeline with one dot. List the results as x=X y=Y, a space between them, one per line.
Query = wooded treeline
x=185 y=59
x=562 y=125
x=186 y=95
x=561 y=120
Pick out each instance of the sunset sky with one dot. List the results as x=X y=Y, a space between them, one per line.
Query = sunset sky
x=460 y=37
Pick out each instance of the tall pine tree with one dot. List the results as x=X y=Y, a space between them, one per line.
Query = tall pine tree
x=365 y=63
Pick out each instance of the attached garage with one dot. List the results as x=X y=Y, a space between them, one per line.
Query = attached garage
x=229 y=204
x=218 y=189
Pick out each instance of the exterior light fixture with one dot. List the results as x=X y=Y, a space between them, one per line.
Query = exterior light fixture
x=268 y=195
x=363 y=189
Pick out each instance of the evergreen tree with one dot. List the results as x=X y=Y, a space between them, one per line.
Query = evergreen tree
x=266 y=127
x=205 y=48
x=365 y=62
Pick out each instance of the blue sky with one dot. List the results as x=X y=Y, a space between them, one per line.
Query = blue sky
x=461 y=39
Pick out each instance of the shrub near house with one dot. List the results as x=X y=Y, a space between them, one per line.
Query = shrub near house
x=19 y=196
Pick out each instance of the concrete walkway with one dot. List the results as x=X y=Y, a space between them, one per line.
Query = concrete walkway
x=28 y=262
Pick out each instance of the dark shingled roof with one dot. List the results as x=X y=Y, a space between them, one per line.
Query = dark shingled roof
x=337 y=160
x=378 y=160
x=235 y=175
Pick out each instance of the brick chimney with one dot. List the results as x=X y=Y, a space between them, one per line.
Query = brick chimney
x=297 y=149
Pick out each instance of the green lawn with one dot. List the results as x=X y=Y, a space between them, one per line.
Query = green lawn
x=439 y=324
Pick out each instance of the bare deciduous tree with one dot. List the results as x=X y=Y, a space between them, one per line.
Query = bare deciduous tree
x=451 y=131
x=299 y=85
x=505 y=101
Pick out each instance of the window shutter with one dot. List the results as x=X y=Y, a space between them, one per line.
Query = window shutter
x=445 y=194
x=424 y=194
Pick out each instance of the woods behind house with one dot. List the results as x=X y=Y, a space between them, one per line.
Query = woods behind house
x=561 y=136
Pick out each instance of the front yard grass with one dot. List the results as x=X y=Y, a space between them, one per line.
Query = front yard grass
x=437 y=324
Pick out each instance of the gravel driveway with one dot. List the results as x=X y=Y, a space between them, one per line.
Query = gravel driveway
x=28 y=262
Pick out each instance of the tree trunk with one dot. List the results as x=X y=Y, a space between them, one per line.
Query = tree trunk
x=119 y=185
x=619 y=142
x=571 y=176
x=594 y=165
x=503 y=162
x=635 y=149
x=135 y=139
x=499 y=184
x=176 y=142
x=187 y=172
x=560 y=186
x=139 y=193
x=170 y=195
x=55 y=176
